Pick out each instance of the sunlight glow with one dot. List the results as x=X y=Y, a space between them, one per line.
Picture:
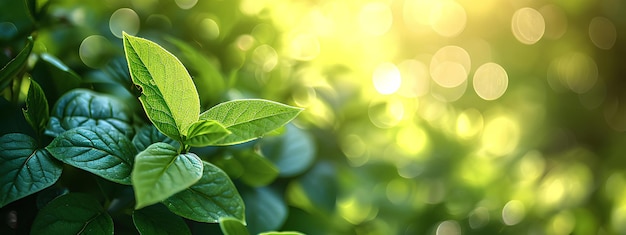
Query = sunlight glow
x=450 y=66
x=448 y=18
x=386 y=78
x=490 y=81
x=528 y=25
x=415 y=79
x=501 y=136
x=375 y=18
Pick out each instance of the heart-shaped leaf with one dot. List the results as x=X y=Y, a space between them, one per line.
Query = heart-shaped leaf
x=160 y=172
x=249 y=119
x=232 y=226
x=168 y=94
x=148 y=135
x=214 y=196
x=82 y=107
x=205 y=132
x=14 y=66
x=102 y=151
x=37 y=111
x=24 y=168
x=73 y=213
x=157 y=220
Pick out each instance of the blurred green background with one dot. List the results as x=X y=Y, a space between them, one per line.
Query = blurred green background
x=428 y=116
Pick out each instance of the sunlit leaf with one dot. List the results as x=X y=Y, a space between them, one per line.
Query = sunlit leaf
x=159 y=172
x=266 y=216
x=37 y=112
x=24 y=168
x=249 y=119
x=157 y=220
x=102 y=151
x=73 y=213
x=205 y=132
x=82 y=107
x=168 y=94
x=214 y=196
x=10 y=70
x=232 y=226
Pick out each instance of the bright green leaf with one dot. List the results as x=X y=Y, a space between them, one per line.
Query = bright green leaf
x=73 y=213
x=82 y=107
x=259 y=171
x=102 y=151
x=14 y=66
x=148 y=135
x=168 y=94
x=205 y=132
x=248 y=119
x=293 y=152
x=157 y=220
x=214 y=196
x=266 y=216
x=24 y=168
x=160 y=172
x=232 y=226
x=37 y=111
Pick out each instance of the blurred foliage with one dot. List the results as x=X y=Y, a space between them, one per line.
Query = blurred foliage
x=422 y=116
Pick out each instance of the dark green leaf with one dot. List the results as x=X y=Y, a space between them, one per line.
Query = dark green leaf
x=64 y=78
x=160 y=172
x=148 y=135
x=24 y=168
x=214 y=196
x=10 y=70
x=157 y=220
x=168 y=94
x=205 y=132
x=102 y=151
x=232 y=226
x=258 y=171
x=265 y=209
x=37 y=112
x=82 y=107
x=293 y=152
x=249 y=119
x=73 y=213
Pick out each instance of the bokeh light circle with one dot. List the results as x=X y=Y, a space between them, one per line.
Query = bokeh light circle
x=602 y=33
x=92 y=49
x=449 y=66
x=208 y=29
x=448 y=227
x=386 y=78
x=448 y=18
x=490 y=81
x=375 y=18
x=415 y=78
x=186 y=4
x=124 y=19
x=528 y=25
x=513 y=212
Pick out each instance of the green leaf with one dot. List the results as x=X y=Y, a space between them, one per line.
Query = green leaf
x=266 y=216
x=37 y=112
x=82 y=107
x=232 y=226
x=168 y=94
x=249 y=119
x=157 y=220
x=24 y=168
x=73 y=213
x=282 y=233
x=101 y=151
x=64 y=78
x=10 y=70
x=205 y=132
x=148 y=135
x=259 y=171
x=214 y=196
x=160 y=172
x=293 y=152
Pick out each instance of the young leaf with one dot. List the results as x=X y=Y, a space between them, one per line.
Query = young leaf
x=157 y=220
x=205 y=132
x=102 y=151
x=214 y=196
x=266 y=216
x=249 y=119
x=232 y=226
x=24 y=168
x=160 y=172
x=14 y=66
x=82 y=107
x=293 y=152
x=168 y=94
x=148 y=135
x=36 y=112
x=259 y=171
x=73 y=213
